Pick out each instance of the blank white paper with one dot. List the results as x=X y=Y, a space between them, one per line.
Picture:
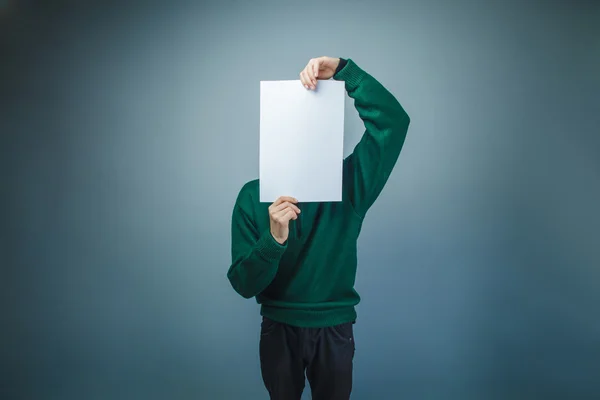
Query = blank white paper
x=301 y=141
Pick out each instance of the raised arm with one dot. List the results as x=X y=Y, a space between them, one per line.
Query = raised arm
x=368 y=168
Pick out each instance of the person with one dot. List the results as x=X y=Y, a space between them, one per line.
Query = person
x=299 y=259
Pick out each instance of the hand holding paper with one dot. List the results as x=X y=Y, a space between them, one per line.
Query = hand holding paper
x=281 y=212
x=318 y=69
x=302 y=136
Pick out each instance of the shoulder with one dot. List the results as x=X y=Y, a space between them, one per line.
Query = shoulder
x=249 y=189
x=248 y=195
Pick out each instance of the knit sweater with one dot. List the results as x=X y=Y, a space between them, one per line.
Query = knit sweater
x=309 y=280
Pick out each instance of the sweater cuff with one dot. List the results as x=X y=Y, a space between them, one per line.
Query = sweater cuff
x=268 y=248
x=341 y=65
x=351 y=73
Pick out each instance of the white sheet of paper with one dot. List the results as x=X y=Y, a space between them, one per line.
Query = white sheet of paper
x=301 y=141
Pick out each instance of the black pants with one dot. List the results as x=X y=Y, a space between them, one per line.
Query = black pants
x=325 y=354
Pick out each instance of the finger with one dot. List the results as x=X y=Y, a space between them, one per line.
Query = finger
x=282 y=199
x=305 y=79
x=278 y=216
x=285 y=215
x=290 y=215
x=313 y=67
x=285 y=205
x=310 y=72
x=316 y=65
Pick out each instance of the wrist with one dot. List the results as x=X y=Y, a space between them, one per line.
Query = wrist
x=280 y=240
x=341 y=63
x=352 y=74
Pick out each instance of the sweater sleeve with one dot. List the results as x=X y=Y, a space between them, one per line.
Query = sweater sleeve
x=255 y=256
x=368 y=168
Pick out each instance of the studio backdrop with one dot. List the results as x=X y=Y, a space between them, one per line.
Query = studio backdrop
x=128 y=128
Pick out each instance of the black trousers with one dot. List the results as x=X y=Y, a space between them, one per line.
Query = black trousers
x=325 y=355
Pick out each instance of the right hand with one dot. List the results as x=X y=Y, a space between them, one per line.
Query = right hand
x=280 y=213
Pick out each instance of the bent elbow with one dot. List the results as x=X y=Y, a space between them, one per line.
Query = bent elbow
x=247 y=295
x=244 y=292
x=402 y=120
x=239 y=288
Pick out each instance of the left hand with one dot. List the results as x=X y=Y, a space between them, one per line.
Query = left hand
x=316 y=69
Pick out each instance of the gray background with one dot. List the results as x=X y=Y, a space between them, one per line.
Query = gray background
x=127 y=130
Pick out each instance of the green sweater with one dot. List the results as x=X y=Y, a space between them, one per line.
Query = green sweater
x=309 y=281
